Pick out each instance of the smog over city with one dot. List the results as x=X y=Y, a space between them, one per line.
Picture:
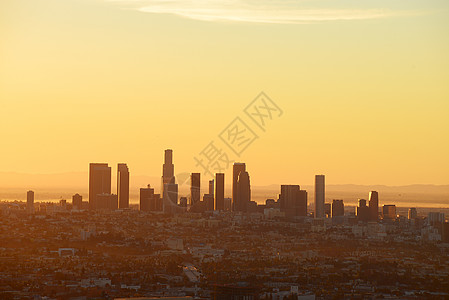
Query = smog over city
x=236 y=150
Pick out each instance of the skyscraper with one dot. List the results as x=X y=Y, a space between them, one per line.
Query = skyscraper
x=363 y=212
x=374 y=206
x=319 y=196
x=293 y=201
x=338 y=208
x=243 y=192
x=389 y=212
x=211 y=187
x=237 y=168
x=123 y=186
x=77 y=201
x=219 y=191
x=169 y=188
x=99 y=182
x=168 y=170
x=149 y=201
x=195 y=188
x=30 y=202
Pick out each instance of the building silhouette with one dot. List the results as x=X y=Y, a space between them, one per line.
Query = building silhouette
x=374 y=206
x=338 y=208
x=389 y=212
x=106 y=202
x=169 y=188
x=293 y=201
x=319 y=196
x=30 y=202
x=363 y=211
x=243 y=192
x=168 y=170
x=99 y=182
x=195 y=188
x=208 y=200
x=219 y=191
x=211 y=187
x=149 y=201
x=236 y=169
x=123 y=186
x=412 y=213
x=77 y=201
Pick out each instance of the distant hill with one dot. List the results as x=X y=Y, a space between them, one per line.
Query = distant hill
x=13 y=186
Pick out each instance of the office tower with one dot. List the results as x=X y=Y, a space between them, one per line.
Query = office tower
x=149 y=201
x=208 y=199
x=293 y=201
x=77 y=201
x=236 y=169
x=168 y=170
x=211 y=187
x=338 y=208
x=412 y=213
x=319 y=196
x=219 y=191
x=363 y=212
x=389 y=212
x=99 y=182
x=243 y=192
x=170 y=197
x=195 y=190
x=146 y=195
x=106 y=202
x=123 y=186
x=327 y=210
x=30 y=202
x=374 y=206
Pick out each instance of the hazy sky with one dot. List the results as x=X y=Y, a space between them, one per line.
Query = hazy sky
x=363 y=85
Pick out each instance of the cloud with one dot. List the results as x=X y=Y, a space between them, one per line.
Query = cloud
x=260 y=11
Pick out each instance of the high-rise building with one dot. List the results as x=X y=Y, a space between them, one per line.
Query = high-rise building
x=106 y=202
x=168 y=170
x=374 y=206
x=195 y=190
x=149 y=201
x=208 y=199
x=219 y=191
x=77 y=201
x=237 y=168
x=123 y=186
x=412 y=213
x=170 y=197
x=293 y=201
x=211 y=187
x=169 y=188
x=30 y=202
x=363 y=212
x=389 y=212
x=243 y=192
x=99 y=182
x=338 y=208
x=319 y=196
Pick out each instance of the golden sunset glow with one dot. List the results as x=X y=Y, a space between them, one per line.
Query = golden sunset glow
x=364 y=90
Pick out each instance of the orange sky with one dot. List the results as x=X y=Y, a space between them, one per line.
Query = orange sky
x=364 y=94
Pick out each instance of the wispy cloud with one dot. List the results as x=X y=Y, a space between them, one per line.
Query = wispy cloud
x=261 y=11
